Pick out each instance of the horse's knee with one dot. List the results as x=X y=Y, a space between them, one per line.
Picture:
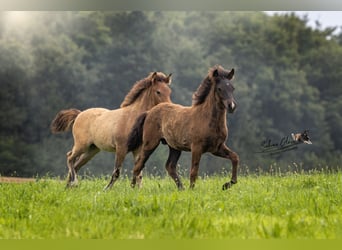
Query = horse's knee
x=136 y=172
x=117 y=173
x=168 y=168
x=139 y=180
x=193 y=174
x=234 y=157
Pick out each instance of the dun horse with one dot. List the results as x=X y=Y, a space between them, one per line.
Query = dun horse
x=200 y=128
x=98 y=129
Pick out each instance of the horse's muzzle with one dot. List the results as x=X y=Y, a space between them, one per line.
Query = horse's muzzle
x=231 y=107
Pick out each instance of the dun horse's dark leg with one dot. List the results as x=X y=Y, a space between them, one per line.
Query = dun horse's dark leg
x=195 y=160
x=120 y=157
x=171 y=166
x=225 y=152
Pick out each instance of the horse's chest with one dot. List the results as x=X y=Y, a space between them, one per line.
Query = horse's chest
x=213 y=139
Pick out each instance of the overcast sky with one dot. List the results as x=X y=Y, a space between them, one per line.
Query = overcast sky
x=326 y=18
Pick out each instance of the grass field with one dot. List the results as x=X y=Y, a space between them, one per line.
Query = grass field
x=294 y=206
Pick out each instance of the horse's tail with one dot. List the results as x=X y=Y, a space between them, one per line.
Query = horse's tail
x=64 y=120
x=136 y=134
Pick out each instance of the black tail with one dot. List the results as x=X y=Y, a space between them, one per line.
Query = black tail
x=136 y=134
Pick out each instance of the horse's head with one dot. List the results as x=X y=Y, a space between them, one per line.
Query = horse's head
x=149 y=91
x=160 y=90
x=223 y=87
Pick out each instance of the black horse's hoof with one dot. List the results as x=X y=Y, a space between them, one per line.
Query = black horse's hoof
x=107 y=188
x=226 y=186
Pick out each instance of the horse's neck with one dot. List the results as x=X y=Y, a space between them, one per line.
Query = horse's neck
x=214 y=111
x=142 y=105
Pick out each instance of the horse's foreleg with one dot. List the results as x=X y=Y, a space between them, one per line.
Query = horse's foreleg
x=140 y=164
x=171 y=166
x=119 y=158
x=227 y=153
x=139 y=178
x=195 y=160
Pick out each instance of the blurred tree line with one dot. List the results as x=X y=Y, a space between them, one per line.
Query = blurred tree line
x=288 y=78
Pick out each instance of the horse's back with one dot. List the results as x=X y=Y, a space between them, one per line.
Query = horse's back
x=89 y=115
x=171 y=122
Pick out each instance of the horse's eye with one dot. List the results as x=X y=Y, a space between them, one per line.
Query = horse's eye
x=228 y=84
x=158 y=92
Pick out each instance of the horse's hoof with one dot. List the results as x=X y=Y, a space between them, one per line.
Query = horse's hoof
x=226 y=185
x=109 y=186
x=71 y=185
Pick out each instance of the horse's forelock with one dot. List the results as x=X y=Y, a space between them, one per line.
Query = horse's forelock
x=160 y=77
x=219 y=70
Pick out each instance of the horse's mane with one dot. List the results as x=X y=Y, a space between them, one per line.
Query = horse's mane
x=204 y=88
x=139 y=87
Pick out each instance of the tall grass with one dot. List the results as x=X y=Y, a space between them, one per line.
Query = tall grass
x=293 y=206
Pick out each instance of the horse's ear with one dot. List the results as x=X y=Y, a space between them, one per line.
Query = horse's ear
x=231 y=74
x=169 y=79
x=215 y=73
x=153 y=77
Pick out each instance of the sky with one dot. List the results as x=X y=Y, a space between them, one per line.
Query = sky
x=325 y=18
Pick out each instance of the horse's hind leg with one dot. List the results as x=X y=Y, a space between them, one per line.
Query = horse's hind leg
x=85 y=157
x=71 y=174
x=76 y=159
x=119 y=158
x=71 y=158
x=171 y=166
x=225 y=152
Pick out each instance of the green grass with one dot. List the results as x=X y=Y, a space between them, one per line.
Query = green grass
x=305 y=206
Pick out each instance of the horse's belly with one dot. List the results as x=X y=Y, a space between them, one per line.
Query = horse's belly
x=105 y=147
x=182 y=144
